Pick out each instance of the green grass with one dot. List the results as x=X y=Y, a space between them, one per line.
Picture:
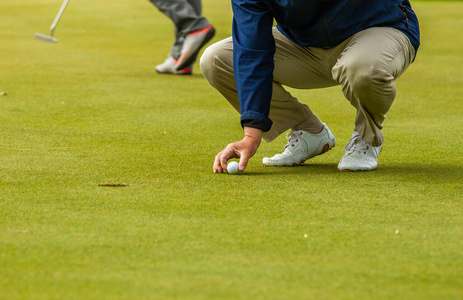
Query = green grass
x=90 y=110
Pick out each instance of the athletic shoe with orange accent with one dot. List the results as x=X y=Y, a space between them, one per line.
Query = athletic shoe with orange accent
x=194 y=41
x=168 y=67
x=302 y=146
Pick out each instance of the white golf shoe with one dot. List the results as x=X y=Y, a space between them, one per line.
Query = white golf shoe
x=359 y=156
x=169 y=67
x=302 y=146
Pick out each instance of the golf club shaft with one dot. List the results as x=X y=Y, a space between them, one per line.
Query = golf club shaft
x=58 y=16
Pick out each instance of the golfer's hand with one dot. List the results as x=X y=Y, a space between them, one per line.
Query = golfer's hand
x=243 y=150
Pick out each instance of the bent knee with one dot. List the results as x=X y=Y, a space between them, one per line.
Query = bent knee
x=361 y=75
x=218 y=56
x=206 y=61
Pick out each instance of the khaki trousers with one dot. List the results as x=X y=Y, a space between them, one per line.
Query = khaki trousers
x=365 y=65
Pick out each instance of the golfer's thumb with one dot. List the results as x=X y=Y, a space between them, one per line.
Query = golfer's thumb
x=243 y=163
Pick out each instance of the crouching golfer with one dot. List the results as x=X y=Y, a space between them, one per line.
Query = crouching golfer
x=362 y=45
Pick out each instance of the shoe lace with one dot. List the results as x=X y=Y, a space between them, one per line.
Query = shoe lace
x=356 y=143
x=293 y=137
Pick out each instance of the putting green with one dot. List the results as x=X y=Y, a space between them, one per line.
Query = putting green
x=107 y=189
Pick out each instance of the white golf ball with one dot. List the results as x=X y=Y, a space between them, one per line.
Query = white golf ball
x=232 y=167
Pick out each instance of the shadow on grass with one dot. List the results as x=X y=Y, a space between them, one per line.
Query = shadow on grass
x=424 y=172
x=302 y=170
x=407 y=171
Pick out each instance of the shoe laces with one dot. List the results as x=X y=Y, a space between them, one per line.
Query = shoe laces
x=356 y=143
x=293 y=137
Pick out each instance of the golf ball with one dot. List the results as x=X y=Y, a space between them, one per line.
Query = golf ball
x=232 y=167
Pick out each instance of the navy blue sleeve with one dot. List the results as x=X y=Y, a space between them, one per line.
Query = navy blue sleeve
x=253 y=50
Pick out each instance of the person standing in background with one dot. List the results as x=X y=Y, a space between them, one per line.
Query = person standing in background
x=192 y=32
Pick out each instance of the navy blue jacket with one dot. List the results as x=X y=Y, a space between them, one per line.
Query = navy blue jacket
x=309 y=23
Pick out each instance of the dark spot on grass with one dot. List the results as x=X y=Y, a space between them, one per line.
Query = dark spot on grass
x=113 y=185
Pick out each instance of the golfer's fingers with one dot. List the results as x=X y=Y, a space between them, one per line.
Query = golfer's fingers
x=217 y=165
x=227 y=153
x=223 y=160
x=220 y=163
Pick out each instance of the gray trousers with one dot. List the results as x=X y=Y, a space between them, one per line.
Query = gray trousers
x=186 y=15
x=365 y=65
